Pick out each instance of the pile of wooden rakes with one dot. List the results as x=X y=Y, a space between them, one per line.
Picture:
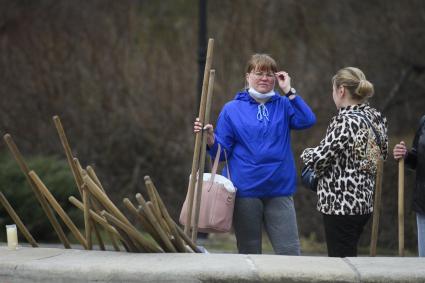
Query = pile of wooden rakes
x=154 y=232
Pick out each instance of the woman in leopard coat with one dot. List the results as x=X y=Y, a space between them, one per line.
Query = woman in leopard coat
x=345 y=162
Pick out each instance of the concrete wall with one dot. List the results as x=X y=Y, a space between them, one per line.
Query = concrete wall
x=60 y=265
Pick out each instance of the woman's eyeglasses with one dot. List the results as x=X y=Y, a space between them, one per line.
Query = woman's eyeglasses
x=260 y=75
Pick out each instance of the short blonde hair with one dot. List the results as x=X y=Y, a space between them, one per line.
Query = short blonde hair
x=261 y=62
x=355 y=81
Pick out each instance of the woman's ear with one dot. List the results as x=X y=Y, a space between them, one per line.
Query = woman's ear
x=341 y=91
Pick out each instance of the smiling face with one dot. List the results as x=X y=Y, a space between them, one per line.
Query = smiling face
x=261 y=80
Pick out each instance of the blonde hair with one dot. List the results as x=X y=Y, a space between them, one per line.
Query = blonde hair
x=355 y=81
x=261 y=62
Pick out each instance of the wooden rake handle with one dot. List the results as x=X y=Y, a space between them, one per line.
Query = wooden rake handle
x=401 y=207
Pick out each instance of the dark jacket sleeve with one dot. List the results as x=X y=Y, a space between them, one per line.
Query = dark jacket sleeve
x=412 y=156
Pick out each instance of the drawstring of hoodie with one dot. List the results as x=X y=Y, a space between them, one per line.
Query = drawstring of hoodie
x=262 y=112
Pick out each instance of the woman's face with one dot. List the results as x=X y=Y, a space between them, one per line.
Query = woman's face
x=261 y=81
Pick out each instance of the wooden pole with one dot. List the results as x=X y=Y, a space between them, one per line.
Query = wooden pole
x=170 y=223
x=56 y=206
x=94 y=177
x=87 y=224
x=198 y=138
x=17 y=220
x=142 y=218
x=97 y=232
x=44 y=204
x=113 y=241
x=131 y=231
x=77 y=172
x=128 y=243
x=110 y=230
x=198 y=193
x=401 y=207
x=376 y=208
x=153 y=199
x=91 y=202
x=155 y=223
x=96 y=217
x=188 y=240
x=155 y=208
x=68 y=153
x=104 y=200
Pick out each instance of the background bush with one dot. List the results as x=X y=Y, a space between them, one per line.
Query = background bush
x=56 y=175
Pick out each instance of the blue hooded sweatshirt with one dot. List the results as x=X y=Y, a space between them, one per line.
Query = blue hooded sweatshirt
x=257 y=141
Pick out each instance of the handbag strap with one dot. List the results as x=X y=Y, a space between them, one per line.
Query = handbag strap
x=215 y=165
x=216 y=161
x=227 y=165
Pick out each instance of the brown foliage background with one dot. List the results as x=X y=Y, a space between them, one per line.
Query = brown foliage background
x=122 y=76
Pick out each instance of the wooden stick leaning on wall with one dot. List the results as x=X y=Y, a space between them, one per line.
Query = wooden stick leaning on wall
x=130 y=244
x=401 y=207
x=142 y=218
x=73 y=164
x=68 y=153
x=91 y=202
x=95 y=216
x=155 y=208
x=92 y=174
x=17 y=221
x=100 y=220
x=90 y=171
x=165 y=228
x=188 y=240
x=168 y=218
x=198 y=193
x=43 y=202
x=155 y=224
x=376 y=208
x=172 y=226
x=134 y=233
x=198 y=138
x=89 y=225
x=56 y=206
x=126 y=241
x=106 y=202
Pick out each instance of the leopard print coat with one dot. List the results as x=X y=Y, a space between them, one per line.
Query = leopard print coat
x=346 y=161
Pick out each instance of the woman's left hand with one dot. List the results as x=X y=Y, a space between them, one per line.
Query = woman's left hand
x=284 y=81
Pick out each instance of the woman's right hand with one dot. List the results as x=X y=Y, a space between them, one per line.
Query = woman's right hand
x=209 y=130
x=399 y=151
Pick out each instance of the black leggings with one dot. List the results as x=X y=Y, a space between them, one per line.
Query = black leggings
x=343 y=233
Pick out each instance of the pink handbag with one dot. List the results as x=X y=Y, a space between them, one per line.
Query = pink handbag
x=217 y=201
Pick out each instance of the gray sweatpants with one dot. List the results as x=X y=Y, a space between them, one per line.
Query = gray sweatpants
x=279 y=219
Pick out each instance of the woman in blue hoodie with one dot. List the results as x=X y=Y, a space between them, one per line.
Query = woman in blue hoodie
x=255 y=131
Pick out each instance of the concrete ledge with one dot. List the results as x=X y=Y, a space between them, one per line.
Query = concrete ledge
x=60 y=265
